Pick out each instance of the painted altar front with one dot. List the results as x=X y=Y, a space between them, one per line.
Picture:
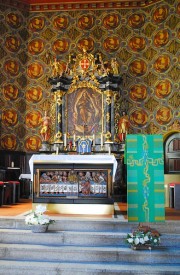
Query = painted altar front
x=74 y=184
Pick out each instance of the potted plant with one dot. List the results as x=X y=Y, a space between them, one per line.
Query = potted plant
x=143 y=237
x=37 y=220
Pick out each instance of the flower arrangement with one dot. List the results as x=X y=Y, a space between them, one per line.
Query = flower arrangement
x=37 y=217
x=143 y=236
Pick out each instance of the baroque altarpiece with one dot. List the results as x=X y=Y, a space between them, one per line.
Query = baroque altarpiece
x=83 y=123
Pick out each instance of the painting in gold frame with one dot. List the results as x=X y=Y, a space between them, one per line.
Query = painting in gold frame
x=84 y=110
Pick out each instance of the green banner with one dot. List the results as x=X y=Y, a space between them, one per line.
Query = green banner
x=145 y=178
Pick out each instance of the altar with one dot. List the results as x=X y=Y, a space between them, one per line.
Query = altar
x=74 y=184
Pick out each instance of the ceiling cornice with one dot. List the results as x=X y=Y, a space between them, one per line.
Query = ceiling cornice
x=54 y=5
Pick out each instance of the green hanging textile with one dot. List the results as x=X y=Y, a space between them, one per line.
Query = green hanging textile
x=145 y=178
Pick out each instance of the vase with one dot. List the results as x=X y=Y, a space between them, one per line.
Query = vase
x=39 y=228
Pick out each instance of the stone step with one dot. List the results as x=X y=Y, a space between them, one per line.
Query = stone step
x=67 y=253
x=77 y=238
x=93 y=225
x=54 y=268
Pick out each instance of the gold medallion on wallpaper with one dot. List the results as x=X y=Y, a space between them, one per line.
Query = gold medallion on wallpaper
x=32 y=143
x=161 y=38
x=36 y=23
x=111 y=21
x=35 y=70
x=34 y=94
x=9 y=117
x=36 y=46
x=60 y=22
x=138 y=92
x=85 y=43
x=12 y=67
x=60 y=46
x=85 y=22
x=33 y=119
x=14 y=20
x=8 y=142
x=164 y=115
x=10 y=92
x=136 y=20
x=137 y=43
x=111 y=44
x=178 y=8
x=139 y=117
x=138 y=67
x=160 y=14
x=163 y=88
x=12 y=43
x=162 y=63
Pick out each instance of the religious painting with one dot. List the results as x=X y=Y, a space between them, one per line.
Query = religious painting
x=86 y=22
x=72 y=183
x=60 y=22
x=36 y=23
x=84 y=111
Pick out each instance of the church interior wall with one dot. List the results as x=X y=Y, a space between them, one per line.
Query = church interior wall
x=145 y=43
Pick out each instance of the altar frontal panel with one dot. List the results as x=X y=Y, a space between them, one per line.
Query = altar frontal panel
x=145 y=178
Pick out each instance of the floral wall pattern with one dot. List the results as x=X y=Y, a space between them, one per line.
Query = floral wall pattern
x=145 y=43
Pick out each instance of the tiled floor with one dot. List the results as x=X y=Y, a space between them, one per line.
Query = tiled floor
x=25 y=205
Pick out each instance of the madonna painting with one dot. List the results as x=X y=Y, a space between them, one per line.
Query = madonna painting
x=84 y=111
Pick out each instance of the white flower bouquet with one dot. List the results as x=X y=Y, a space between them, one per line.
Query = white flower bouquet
x=143 y=236
x=37 y=217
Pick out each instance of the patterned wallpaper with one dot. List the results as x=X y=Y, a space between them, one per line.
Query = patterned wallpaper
x=145 y=43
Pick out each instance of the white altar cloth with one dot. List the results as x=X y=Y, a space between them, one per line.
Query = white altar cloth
x=73 y=159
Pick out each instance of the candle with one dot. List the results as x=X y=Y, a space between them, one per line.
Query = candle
x=65 y=140
x=74 y=140
x=12 y=164
x=101 y=140
x=109 y=149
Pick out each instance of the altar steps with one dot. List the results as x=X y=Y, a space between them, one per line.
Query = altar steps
x=80 y=247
